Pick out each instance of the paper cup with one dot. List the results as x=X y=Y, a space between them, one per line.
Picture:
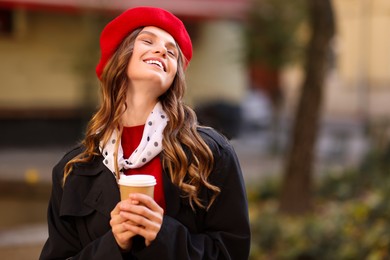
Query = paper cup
x=138 y=183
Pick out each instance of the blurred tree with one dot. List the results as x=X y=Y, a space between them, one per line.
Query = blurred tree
x=297 y=181
x=272 y=42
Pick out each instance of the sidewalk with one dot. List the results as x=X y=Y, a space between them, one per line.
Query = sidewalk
x=23 y=228
x=25 y=176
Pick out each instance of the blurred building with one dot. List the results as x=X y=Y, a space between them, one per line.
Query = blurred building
x=358 y=85
x=49 y=49
x=363 y=47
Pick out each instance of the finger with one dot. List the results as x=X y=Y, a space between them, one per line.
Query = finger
x=122 y=205
x=139 y=198
x=124 y=239
x=122 y=235
x=117 y=220
x=136 y=219
x=150 y=225
x=148 y=233
x=142 y=211
x=116 y=224
x=118 y=228
x=116 y=210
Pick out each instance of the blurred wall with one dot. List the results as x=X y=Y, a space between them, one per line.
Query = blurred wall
x=217 y=71
x=363 y=41
x=40 y=61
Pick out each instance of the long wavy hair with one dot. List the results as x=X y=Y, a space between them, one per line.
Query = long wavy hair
x=186 y=156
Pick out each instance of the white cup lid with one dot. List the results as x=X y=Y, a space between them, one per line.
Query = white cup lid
x=137 y=180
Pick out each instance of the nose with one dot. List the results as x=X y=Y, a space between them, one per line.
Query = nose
x=160 y=49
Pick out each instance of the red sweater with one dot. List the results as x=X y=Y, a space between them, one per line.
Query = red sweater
x=131 y=137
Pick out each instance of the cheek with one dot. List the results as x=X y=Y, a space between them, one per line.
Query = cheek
x=129 y=69
x=174 y=70
x=168 y=82
x=171 y=78
x=132 y=66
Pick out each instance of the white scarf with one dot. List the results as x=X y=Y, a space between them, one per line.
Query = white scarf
x=149 y=147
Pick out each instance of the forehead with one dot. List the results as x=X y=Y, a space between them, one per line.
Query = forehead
x=158 y=32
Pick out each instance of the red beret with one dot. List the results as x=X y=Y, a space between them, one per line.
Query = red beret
x=116 y=30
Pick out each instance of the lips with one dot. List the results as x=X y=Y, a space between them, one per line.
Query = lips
x=156 y=62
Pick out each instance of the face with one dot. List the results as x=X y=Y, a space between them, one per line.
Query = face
x=154 y=59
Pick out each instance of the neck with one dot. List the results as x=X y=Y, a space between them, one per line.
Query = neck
x=139 y=107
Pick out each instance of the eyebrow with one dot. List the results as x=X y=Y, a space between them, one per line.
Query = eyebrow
x=170 y=43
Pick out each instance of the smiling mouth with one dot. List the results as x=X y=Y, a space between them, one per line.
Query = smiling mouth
x=156 y=62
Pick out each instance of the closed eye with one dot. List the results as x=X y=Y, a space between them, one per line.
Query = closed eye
x=172 y=53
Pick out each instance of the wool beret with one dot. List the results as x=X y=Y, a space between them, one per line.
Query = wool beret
x=120 y=27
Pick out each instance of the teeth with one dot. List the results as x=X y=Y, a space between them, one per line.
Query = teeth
x=155 y=62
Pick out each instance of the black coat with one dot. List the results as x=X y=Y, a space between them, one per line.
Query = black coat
x=79 y=214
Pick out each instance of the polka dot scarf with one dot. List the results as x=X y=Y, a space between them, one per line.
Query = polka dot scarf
x=149 y=147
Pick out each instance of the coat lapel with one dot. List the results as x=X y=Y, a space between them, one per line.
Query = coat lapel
x=89 y=187
x=104 y=194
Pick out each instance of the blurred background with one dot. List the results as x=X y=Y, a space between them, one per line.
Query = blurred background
x=302 y=89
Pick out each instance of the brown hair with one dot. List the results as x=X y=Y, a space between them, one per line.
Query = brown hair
x=189 y=172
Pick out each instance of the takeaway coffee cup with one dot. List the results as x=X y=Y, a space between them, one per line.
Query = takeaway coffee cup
x=138 y=183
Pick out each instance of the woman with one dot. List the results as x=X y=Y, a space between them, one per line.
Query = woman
x=142 y=126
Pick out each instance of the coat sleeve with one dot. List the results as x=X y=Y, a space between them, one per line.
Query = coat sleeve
x=64 y=241
x=226 y=231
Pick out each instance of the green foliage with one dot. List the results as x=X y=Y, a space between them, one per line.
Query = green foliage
x=350 y=220
x=272 y=32
x=343 y=230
